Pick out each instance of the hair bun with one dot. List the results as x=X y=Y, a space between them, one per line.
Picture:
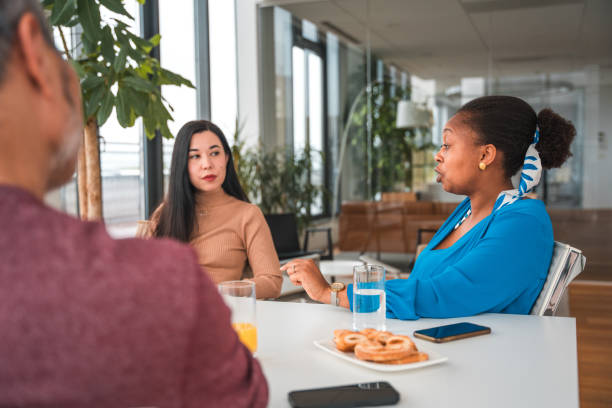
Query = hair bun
x=556 y=136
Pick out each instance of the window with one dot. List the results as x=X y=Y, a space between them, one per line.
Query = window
x=177 y=54
x=222 y=51
x=120 y=160
x=308 y=105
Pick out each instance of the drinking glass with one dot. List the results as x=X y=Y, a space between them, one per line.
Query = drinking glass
x=240 y=298
x=369 y=300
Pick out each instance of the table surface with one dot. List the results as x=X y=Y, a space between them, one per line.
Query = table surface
x=527 y=361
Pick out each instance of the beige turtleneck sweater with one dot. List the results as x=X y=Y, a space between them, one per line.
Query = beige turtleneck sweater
x=231 y=234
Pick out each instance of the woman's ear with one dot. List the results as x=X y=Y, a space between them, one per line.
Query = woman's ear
x=487 y=154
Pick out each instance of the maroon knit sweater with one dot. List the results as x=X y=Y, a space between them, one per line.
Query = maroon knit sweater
x=89 y=321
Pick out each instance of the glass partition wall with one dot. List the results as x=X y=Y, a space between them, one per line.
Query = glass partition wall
x=364 y=78
x=325 y=92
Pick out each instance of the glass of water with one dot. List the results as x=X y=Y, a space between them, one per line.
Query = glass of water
x=369 y=300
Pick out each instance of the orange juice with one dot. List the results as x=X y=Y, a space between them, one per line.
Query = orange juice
x=247 y=333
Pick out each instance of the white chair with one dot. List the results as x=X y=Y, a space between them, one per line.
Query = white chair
x=566 y=263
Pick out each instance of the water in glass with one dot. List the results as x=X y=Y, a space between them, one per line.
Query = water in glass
x=369 y=300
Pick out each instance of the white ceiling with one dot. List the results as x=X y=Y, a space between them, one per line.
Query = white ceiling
x=450 y=39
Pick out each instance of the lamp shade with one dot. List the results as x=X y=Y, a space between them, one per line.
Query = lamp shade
x=409 y=115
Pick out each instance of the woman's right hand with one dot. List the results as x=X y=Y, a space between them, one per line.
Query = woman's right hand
x=304 y=272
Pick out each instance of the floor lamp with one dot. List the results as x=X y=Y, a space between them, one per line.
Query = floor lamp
x=343 y=140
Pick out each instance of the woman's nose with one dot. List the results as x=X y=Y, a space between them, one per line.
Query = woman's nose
x=205 y=163
x=438 y=156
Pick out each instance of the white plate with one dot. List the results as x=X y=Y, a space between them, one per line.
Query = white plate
x=330 y=347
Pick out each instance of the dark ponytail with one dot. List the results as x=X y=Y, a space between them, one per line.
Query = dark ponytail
x=556 y=136
x=509 y=123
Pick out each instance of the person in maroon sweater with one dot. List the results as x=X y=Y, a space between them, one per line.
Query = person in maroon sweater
x=86 y=320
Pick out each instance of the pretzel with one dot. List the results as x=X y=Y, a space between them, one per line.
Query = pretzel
x=378 y=346
x=369 y=332
x=382 y=336
x=412 y=358
x=396 y=348
x=346 y=340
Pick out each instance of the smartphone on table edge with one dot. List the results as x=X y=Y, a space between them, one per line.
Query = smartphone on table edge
x=450 y=332
x=354 y=395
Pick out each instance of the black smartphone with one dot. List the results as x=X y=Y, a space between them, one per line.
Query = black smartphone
x=354 y=395
x=451 y=332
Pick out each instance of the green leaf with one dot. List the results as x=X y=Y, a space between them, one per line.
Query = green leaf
x=73 y=22
x=108 y=51
x=63 y=11
x=136 y=55
x=139 y=41
x=106 y=108
x=116 y=6
x=88 y=45
x=150 y=119
x=170 y=78
x=122 y=38
x=137 y=100
x=149 y=125
x=144 y=69
x=97 y=94
x=93 y=99
x=139 y=84
x=160 y=111
x=91 y=82
x=101 y=68
x=89 y=16
x=123 y=109
x=165 y=131
x=77 y=67
x=155 y=40
x=120 y=61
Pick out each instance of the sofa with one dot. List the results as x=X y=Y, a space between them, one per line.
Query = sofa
x=389 y=226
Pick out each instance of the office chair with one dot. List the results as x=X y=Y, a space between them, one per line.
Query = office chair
x=285 y=236
x=566 y=263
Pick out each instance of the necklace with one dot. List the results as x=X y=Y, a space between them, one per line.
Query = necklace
x=203 y=212
x=467 y=214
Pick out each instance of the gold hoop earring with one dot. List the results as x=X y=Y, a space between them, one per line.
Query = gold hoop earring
x=482 y=166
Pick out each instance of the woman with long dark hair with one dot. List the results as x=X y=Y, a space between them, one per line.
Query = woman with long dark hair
x=207 y=208
x=493 y=253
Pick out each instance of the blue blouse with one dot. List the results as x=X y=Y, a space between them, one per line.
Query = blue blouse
x=498 y=266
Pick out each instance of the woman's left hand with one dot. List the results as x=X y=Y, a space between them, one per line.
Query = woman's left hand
x=304 y=272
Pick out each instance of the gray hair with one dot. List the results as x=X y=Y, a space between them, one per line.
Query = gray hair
x=11 y=12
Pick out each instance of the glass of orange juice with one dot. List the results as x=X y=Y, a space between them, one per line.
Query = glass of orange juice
x=240 y=297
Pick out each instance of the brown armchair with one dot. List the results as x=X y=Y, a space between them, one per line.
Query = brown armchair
x=388 y=226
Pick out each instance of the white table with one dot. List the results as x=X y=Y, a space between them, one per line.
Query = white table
x=527 y=361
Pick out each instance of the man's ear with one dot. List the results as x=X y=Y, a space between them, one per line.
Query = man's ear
x=487 y=154
x=34 y=51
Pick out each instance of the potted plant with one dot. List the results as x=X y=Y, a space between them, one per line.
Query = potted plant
x=116 y=71
x=278 y=182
